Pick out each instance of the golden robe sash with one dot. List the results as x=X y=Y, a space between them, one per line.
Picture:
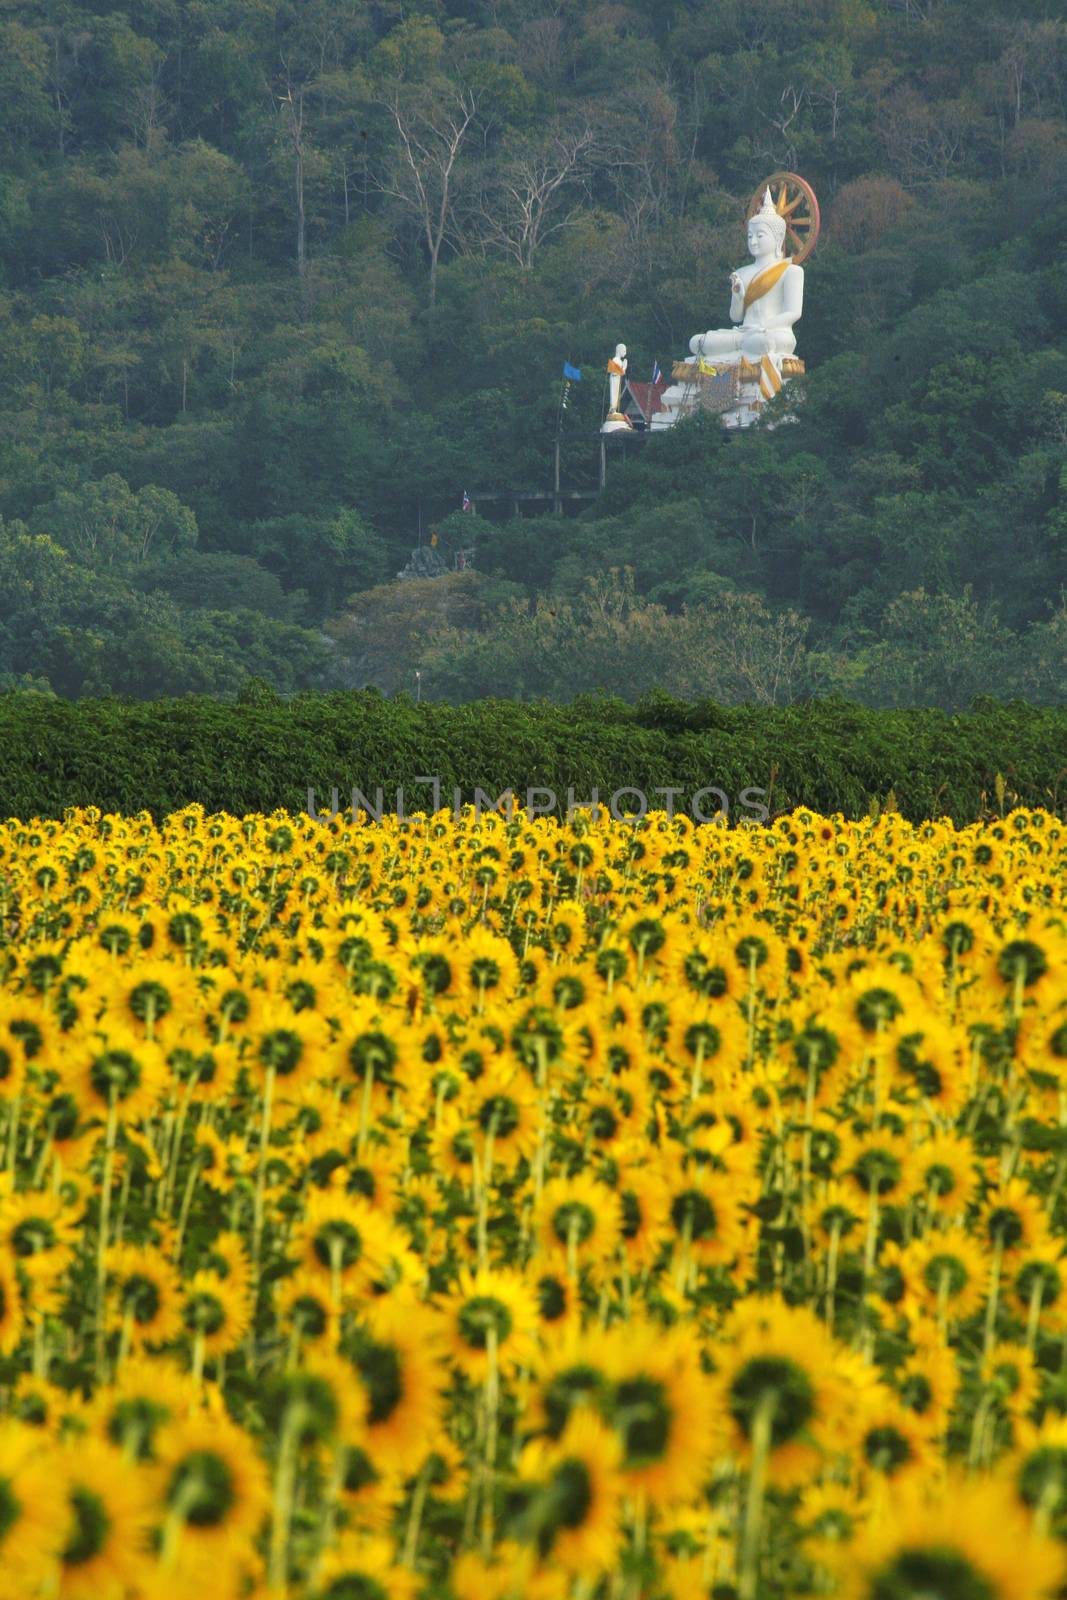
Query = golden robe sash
x=765 y=281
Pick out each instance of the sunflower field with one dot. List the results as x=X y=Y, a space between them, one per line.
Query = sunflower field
x=482 y=1207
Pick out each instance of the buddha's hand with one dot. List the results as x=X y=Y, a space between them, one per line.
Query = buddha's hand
x=736 y=286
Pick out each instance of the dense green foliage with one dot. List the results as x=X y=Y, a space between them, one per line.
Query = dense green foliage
x=264 y=753
x=272 y=271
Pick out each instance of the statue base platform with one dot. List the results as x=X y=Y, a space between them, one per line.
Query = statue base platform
x=615 y=422
x=735 y=391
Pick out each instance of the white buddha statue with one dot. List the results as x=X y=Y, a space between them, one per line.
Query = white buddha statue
x=767 y=298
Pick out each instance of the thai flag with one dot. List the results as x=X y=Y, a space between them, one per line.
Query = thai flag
x=656 y=373
x=466 y=502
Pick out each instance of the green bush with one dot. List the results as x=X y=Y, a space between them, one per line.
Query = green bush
x=264 y=753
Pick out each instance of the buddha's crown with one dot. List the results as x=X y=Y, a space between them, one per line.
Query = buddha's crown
x=769 y=213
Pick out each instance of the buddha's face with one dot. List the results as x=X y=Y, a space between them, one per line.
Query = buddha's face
x=761 y=240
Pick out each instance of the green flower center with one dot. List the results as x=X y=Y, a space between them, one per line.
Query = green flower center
x=141 y=1297
x=204 y=1313
x=359 y=1470
x=947 y=1269
x=281 y=1049
x=574 y=1387
x=91 y=1527
x=886 y=1449
x=643 y=1417
x=383 y=1377
x=338 y=1241
x=479 y=1315
x=353 y=1586
x=33 y=1235
x=148 y=1000
x=203 y=1485
x=772 y=1379
x=1022 y=959
x=877 y=1171
x=115 y=1073
x=693 y=1213
x=551 y=1299
x=573 y=1220
x=935 y=1573
x=501 y=1114
x=572 y=1491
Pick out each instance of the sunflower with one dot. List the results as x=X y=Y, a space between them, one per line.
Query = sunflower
x=213 y=1490
x=145 y=1394
x=117 y=1069
x=304 y=1306
x=661 y=1404
x=1013 y=1219
x=215 y=1314
x=571 y=1371
x=503 y=1113
x=498 y=1303
x=397 y=1361
x=1038 y=1471
x=645 y=1201
x=346 y=1241
x=144 y=1295
x=928 y=1384
x=829 y=1515
x=779 y=1370
x=704 y=1217
x=578 y=1221
x=930 y=1064
x=892 y=1441
x=944 y=1171
x=104 y=1542
x=970 y=1540
x=362 y=1565
x=1009 y=1373
x=32 y=1507
x=1037 y=1286
x=41 y=1233
x=944 y=1273
x=573 y=1513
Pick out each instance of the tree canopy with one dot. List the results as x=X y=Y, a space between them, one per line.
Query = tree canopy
x=280 y=280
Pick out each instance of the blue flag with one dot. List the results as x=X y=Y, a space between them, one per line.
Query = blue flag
x=573 y=373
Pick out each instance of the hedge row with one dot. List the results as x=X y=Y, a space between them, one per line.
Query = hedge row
x=129 y=756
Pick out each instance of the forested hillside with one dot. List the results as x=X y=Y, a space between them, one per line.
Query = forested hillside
x=273 y=272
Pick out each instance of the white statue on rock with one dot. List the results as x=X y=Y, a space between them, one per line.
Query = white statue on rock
x=735 y=371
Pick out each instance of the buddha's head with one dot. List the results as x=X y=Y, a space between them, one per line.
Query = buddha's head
x=766 y=230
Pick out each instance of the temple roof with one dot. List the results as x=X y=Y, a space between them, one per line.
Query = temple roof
x=647 y=396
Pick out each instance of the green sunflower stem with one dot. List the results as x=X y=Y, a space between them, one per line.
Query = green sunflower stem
x=752 y=1534
x=261 y=1173
x=187 y=1200
x=364 y=1104
x=991 y=1303
x=284 y=1492
x=1033 y=1319
x=418 y=1502
x=831 y=1272
x=492 y=1427
x=104 y=1223
x=13 y=1131
x=198 y=1357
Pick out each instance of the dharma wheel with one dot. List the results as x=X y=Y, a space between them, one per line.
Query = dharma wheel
x=794 y=200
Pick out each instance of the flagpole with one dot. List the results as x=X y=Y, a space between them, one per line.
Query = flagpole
x=563 y=388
